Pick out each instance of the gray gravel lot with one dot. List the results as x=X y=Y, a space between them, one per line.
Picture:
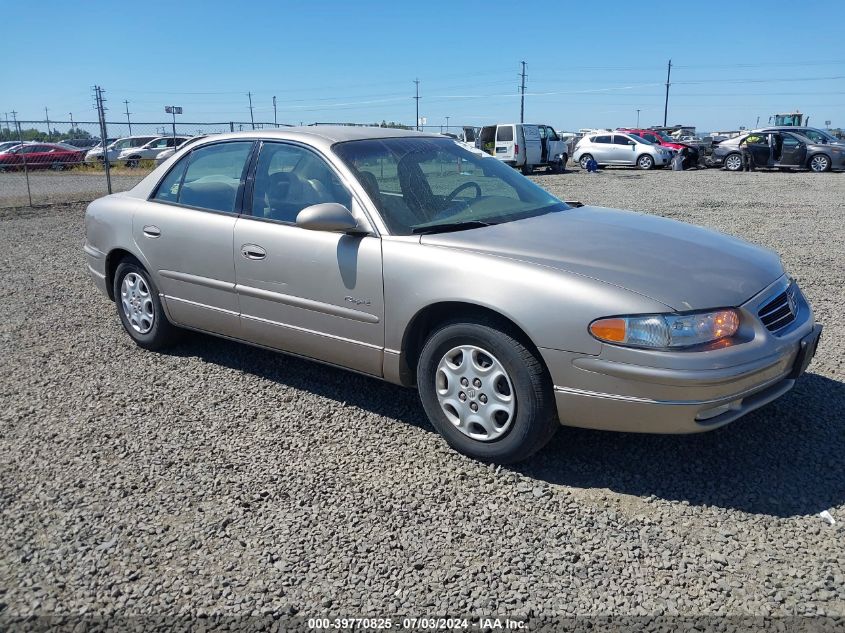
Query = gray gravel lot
x=222 y=479
x=50 y=187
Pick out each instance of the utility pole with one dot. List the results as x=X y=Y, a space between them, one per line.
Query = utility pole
x=128 y=122
x=251 y=118
x=638 y=118
x=72 y=126
x=666 y=104
x=47 y=116
x=417 y=98
x=275 y=122
x=101 y=115
x=522 y=95
x=447 y=124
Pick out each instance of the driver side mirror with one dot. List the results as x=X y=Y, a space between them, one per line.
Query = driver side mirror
x=331 y=217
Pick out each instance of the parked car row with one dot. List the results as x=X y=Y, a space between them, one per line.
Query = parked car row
x=14 y=155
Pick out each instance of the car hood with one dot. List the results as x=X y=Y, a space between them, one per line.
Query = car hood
x=680 y=265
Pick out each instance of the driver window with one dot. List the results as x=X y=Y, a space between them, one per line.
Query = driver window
x=289 y=178
x=622 y=140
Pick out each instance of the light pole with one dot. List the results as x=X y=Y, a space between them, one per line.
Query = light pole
x=638 y=118
x=447 y=124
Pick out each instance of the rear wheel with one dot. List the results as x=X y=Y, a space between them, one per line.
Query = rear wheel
x=485 y=392
x=57 y=166
x=645 y=162
x=733 y=162
x=132 y=163
x=586 y=158
x=527 y=169
x=139 y=307
x=820 y=163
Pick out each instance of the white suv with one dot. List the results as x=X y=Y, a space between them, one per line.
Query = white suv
x=115 y=148
x=616 y=148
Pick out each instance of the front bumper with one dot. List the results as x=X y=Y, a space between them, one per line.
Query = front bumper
x=665 y=394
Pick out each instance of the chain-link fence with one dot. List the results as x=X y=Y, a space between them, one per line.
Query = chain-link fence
x=48 y=162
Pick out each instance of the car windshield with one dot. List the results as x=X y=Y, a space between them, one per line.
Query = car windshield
x=429 y=184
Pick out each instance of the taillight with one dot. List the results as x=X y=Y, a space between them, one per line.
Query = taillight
x=516 y=148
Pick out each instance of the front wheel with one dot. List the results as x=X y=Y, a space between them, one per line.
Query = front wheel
x=560 y=166
x=485 y=392
x=820 y=163
x=527 y=169
x=132 y=163
x=645 y=162
x=139 y=307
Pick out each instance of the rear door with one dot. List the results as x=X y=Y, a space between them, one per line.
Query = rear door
x=759 y=146
x=602 y=149
x=313 y=293
x=185 y=233
x=533 y=145
x=506 y=142
x=793 y=151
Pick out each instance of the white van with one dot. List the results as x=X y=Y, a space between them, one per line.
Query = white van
x=525 y=146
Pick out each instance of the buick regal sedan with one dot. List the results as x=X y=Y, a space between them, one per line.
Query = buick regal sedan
x=403 y=256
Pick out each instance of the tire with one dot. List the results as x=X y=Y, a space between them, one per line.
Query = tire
x=521 y=416
x=141 y=314
x=57 y=166
x=132 y=163
x=584 y=160
x=527 y=170
x=560 y=166
x=645 y=162
x=733 y=162
x=819 y=163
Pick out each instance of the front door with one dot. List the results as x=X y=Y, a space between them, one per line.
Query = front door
x=622 y=150
x=185 y=233
x=313 y=293
x=793 y=151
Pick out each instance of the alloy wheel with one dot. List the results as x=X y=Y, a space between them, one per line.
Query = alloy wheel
x=820 y=163
x=733 y=162
x=137 y=303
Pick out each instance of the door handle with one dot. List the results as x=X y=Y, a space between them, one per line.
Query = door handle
x=253 y=251
x=152 y=231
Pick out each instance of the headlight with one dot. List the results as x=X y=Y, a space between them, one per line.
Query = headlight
x=666 y=330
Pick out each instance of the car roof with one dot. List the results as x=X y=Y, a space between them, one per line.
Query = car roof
x=320 y=135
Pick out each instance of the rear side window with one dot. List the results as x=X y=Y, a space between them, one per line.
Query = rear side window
x=168 y=189
x=505 y=133
x=602 y=139
x=212 y=176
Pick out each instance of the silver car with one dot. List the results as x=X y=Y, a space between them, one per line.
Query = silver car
x=133 y=156
x=617 y=148
x=405 y=257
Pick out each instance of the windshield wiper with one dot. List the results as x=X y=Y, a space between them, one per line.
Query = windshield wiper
x=451 y=226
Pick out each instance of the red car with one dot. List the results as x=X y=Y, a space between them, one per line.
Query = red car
x=661 y=138
x=40 y=156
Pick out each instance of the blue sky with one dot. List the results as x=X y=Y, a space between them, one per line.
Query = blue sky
x=589 y=64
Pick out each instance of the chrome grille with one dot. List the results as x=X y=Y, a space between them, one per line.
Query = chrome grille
x=780 y=311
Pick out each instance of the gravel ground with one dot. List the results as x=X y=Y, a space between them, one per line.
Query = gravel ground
x=221 y=479
x=50 y=187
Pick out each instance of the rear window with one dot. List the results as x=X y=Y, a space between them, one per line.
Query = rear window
x=505 y=133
